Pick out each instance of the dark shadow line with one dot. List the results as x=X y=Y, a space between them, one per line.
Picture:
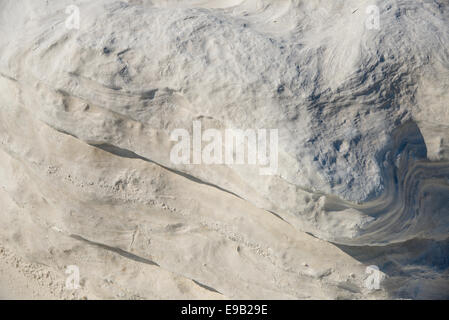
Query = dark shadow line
x=206 y=287
x=119 y=251
x=124 y=153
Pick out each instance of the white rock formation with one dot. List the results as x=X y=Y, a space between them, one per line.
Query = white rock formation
x=86 y=116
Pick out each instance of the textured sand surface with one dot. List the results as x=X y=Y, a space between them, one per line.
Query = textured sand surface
x=86 y=177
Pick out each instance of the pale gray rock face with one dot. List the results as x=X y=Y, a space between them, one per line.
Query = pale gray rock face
x=362 y=113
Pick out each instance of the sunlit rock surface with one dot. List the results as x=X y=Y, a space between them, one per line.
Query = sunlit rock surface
x=362 y=114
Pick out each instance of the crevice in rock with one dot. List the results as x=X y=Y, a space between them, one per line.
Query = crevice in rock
x=124 y=153
x=119 y=251
x=206 y=287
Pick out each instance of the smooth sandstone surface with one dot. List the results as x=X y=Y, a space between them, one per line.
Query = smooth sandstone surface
x=363 y=118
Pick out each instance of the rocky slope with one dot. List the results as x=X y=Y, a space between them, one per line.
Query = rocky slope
x=86 y=116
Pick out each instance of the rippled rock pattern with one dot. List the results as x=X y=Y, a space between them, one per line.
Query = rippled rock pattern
x=363 y=119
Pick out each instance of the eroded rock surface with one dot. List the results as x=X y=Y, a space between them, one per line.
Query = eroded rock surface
x=86 y=116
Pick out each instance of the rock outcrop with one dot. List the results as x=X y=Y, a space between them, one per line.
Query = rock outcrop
x=86 y=116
